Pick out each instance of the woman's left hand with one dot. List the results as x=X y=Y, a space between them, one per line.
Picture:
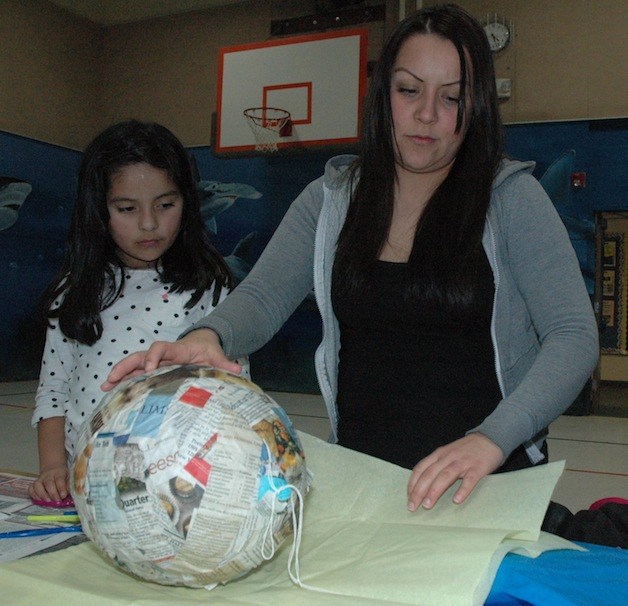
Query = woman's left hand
x=469 y=458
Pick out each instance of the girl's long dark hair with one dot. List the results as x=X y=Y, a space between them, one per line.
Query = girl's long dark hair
x=448 y=236
x=92 y=276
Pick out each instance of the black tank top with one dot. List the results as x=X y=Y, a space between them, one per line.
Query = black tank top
x=411 y=379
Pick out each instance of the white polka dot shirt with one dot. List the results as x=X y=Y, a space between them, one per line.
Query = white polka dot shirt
x=71 y=372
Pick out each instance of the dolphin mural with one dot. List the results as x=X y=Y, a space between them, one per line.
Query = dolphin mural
x=556 y=181
x=240 y=261
x=216 y=197
x=13 y=192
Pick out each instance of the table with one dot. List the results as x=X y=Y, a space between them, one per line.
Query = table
x=363 y=546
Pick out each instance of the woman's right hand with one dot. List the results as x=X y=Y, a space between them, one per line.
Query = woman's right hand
x=51 y=485
x=201 y=347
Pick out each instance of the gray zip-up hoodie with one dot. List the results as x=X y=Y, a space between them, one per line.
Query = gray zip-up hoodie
x=543 y=329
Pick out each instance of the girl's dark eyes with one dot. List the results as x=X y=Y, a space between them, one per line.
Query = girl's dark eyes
x=129 y=209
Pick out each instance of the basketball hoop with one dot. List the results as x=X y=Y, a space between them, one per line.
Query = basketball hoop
x=268 y=124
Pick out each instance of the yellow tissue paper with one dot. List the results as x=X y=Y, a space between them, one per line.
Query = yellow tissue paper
x=360 y=545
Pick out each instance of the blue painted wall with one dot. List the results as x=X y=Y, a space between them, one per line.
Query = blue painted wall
x=280 y=179
x=30 y=250
x=601 y=148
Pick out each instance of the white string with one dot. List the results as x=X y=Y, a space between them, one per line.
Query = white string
x=297 y=525
x=268 y=533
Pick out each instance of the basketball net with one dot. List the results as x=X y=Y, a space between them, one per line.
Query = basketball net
x=266 y=124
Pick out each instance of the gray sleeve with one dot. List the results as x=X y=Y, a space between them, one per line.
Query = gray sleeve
x=281 y=278
x=548 y=277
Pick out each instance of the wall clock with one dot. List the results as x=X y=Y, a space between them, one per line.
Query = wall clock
x=498 y=31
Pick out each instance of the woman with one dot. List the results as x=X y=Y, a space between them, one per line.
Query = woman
x=456 y=324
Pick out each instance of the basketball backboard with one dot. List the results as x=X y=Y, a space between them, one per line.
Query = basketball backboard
x=320 y=79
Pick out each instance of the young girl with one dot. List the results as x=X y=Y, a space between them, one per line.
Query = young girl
x=139 y=267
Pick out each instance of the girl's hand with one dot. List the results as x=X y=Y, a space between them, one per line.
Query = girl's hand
x=201 y=347
x=51 y=485
x=469 y=458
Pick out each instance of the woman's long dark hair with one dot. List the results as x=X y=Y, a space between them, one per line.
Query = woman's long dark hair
x=92 y=275
x=448 y=236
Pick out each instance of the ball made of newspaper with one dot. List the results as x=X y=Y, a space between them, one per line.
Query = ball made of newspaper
x=188 y=476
